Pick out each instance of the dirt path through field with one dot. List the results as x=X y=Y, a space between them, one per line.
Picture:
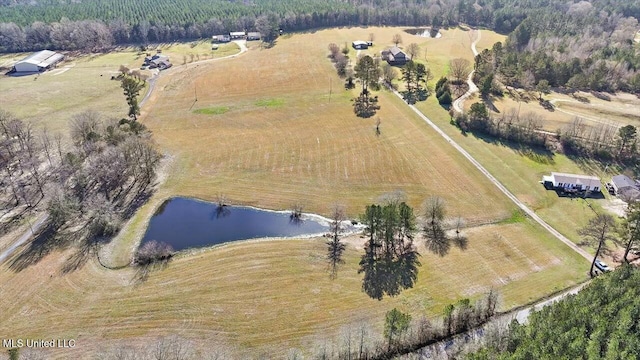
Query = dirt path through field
x=459 y=103
x=26 y=236
x=497 y=183
x=152 y=82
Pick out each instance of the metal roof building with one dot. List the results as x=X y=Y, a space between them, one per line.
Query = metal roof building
x=39 y=61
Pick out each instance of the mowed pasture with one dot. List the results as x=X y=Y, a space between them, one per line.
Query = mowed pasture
x=275 y=127
x=268 y=297
x=78 y=84
x=82 y=83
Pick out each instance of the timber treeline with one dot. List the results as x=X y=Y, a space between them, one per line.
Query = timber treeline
x=51 y=24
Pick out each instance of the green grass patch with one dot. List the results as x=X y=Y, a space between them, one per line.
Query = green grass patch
x=275 y=102
x=214 y=110
x=517 y=216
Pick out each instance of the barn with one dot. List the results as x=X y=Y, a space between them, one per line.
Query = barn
x=37 y=62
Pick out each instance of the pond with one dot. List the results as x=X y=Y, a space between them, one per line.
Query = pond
x=187 y=223
x=425 y=32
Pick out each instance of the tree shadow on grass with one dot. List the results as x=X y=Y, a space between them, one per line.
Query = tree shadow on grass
x=44 y=242
x=539 y=155
x=142 y=272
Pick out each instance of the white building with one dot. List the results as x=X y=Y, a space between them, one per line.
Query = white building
x=39 y=61
x=360 y=45
x=572 y=182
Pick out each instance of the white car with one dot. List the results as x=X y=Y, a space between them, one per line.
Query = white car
x=600 y=265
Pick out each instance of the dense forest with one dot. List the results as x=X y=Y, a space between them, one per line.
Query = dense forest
x=600 y=322
x=29 y=25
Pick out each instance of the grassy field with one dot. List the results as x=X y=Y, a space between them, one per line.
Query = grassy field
x=277 y=137
x=84 y=83
x=520 y=170
x=221 y=296
x=275 y=127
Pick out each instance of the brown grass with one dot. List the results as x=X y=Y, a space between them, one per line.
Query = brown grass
x=270 y=296
x=282 y=140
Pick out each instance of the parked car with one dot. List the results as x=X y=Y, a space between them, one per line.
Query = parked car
x=602 y=266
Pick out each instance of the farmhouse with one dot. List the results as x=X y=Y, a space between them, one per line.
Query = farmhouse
x=237 y=34
x=572 y=183
x=253 y=35
x=360 y=45
x=394 y=56
x=36 y=62
x=221 y=38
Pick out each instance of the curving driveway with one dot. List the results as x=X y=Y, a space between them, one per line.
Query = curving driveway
x=459 y=102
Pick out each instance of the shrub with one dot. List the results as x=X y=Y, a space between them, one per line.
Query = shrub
x=153 y=252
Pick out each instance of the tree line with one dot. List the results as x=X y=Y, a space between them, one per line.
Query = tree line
x=581 y=49
x=600 y=322
x=69 y=25
x=603 y=142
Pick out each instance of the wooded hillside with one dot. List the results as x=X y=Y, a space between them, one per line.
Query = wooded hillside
x=600 y=322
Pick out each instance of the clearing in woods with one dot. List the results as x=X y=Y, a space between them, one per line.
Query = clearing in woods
x=271 y=128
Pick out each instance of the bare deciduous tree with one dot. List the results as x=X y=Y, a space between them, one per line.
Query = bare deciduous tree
x=413 y=50
x=335 y=248
x=459 y=69
x=397 y=39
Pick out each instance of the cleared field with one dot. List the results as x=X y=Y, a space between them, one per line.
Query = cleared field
x=84 y=83
x=222 y=296
x=275 y=136
x=610 y=109
x=76 y=85
x=271 y=128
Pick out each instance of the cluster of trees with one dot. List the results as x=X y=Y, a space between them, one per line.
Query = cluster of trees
x=509 y=125
x=88 y=188
x=99 y=180
x=443 y=92
x=153 y=252
x=600 y=322
x=26 y=159
x=582 y=49
x=367 y=71
x=390 y=261
x=415 y=77
x=605 y=142
x=339 y=59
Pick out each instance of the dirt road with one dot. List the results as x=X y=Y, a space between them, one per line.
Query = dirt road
x=497 y=183
x=459 y=102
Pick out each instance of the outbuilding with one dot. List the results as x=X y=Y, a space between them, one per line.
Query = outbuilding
x=37 y=62
x=360 y=45
x=621 y=183
x=253 y=35
x=237 y=34
x=221 y=38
